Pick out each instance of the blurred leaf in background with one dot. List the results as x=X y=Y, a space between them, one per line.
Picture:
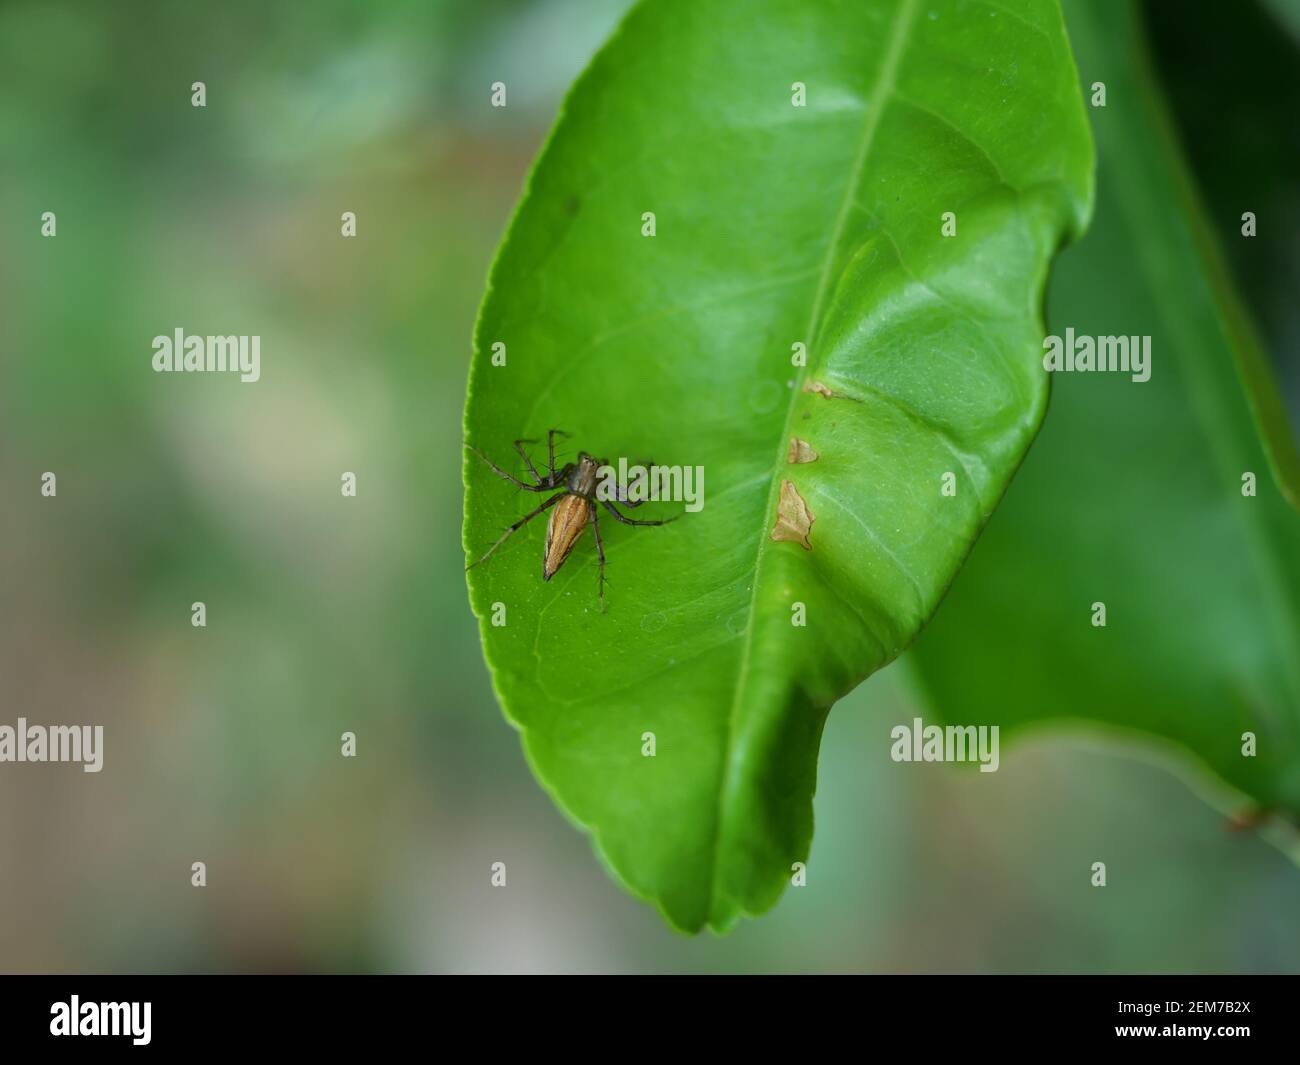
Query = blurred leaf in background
x=1236 y=119
x=1134 y=494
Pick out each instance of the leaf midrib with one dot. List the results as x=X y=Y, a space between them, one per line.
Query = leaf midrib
x=877 y=99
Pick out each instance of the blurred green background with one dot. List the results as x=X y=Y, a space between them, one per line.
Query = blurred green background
x=328 y=614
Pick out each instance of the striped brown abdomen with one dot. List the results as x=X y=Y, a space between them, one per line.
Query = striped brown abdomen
x=568 y=520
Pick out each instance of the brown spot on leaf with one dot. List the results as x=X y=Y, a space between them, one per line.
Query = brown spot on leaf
x=800 y=451
x=819 y=388
x=793 y=518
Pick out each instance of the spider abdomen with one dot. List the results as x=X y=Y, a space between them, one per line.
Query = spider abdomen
x=568 y=522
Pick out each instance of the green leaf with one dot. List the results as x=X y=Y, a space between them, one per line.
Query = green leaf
x=1223 y=63
x=1133 y=494
x=775 y=225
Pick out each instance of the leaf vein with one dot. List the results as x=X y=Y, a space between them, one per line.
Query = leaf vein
x=877 y=99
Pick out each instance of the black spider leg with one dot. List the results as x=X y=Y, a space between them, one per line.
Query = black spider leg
x=600 y=553
x=550 y=447
x=620 y=490
x=541 y=486
x=519 y=446
x=519 y=525
x=633 y=521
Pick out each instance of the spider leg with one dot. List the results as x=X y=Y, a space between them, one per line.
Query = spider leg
x=600 y=554
x=542 y=486
x=550 y=447
x=519 y=525
x=620 y=490
x=519 y=446
x=633 y=521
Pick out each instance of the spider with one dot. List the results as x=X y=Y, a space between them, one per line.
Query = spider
x=577 y=506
